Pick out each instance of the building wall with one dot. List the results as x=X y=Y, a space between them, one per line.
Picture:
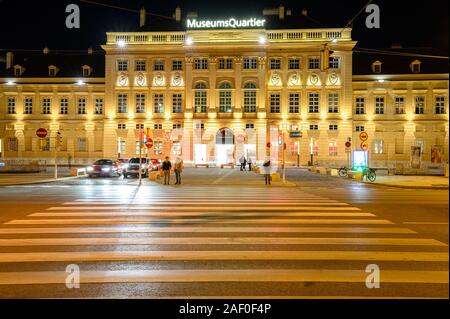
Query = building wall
x=103 y=134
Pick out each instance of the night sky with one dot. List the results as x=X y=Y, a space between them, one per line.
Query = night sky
x=34 y=24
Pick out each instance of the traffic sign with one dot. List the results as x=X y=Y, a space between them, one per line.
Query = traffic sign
x=149 y=143
x=363 y=136
x=295 y=134
x=269 y=145
x=348 y=144
x=364 y=146
x=42 y=133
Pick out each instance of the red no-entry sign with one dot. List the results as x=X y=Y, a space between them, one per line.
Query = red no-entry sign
x=42 y=133
x=149 y=143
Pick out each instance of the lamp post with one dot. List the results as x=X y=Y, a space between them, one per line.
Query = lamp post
x=283 y=130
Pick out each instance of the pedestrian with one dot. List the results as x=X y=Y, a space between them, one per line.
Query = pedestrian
x=267 y=170
x=245 y=164
x=250 y=164
x=179 y=166
x=166 y=167
x=241 y=161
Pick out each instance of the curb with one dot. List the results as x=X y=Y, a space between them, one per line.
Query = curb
x=45 y=181
x=407 y=187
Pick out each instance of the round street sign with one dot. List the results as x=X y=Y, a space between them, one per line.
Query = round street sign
x=269 y=145
x=348 y=144
x=149 y=143
x=363 y=136
x=42 y=133
x=364 y=146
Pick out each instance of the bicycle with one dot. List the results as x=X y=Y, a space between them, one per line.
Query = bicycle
x=369 y=174
x=343 y=172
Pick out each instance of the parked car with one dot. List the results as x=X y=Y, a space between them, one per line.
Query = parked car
x=104 y=167
x=156 y=164
x=132 y=167
x=123 y=162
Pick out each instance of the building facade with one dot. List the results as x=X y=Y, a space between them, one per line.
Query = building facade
x=213 y=95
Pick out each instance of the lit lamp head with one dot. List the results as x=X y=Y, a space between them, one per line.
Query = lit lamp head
x=262 y=39
x=189 y=41
x=121 y=44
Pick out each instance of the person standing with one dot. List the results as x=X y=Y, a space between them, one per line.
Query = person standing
x=241 y=161
x=179 y=166
x=250 y=164
x=166 y=167
x=267 y=170
x=245 y=164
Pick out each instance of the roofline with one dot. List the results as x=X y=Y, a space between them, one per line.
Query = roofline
x=400 y=77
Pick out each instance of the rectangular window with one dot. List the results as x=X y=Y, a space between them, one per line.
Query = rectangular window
x=359 y=128
x=176 y=148
x=249 y=126
x=121 y=146
x=250 y=101
x=11 y=105
x=313 y=102
x=275 y=64
x=28 y=104
x=122 y=103
x=140 y=66
x=200 y=125
x=360 y=105
x=439 y=105
x=158 y=148
x=158 y=65
x=177 y=126
x=332 y=148
x=46 y=106
x=122 y=65
x=177 y=103
x=379 y=105
x=13 y=144
x=158 y=103
x=378 y=146
x=225 y=98
x=315 y=148
x=419 y=104
x=177 y=65
x=82 y=144
x=250 y=63
x=225 y=63
x=81 y=105
x=399 y=105
x=333 y=103
x=121 y=126
x=334 y=63
x=313 y=127
x=201 y=64
x=314 y=63
x=64 y=106
x=200 y=101
x=275 y=102
x=294 y=102
x=45 y=146
x=333 y=127
x=140 y=127
x=140 y=103
x=99 y=106
x=158 y=127
x=294 y=64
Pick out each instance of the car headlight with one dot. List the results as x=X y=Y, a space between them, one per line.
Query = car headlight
x=143 y=166
x=125 y=166
x=90 y=169
x=106 y=169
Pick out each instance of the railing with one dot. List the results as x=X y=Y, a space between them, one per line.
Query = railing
x=272 y=36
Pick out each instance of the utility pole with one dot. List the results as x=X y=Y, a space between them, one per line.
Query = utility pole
x=140 y=156
x=56 y=154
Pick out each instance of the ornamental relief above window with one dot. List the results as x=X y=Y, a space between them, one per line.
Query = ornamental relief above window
x=159 y=80
x=294 y=79
x=275 y=79
x=122 y=79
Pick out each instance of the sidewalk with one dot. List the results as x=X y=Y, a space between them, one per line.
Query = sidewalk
x=11 y=179
x=425 y=182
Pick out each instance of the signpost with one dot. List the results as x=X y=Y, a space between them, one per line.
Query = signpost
x=42 y=133
x=348 y=150
x=149 y=143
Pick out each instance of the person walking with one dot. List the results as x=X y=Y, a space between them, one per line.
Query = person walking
x=250 y=164
x=166 y=167
x=241 y=161
x=245 y=164
x=179 y=166
x=267 y=170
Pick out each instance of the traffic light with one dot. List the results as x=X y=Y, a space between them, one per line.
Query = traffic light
x=280 y=138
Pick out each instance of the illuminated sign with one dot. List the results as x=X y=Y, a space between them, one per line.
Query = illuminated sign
x=231 y=23
x=360 y=160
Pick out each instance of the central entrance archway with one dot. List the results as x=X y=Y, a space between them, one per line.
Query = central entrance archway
x=225 y=147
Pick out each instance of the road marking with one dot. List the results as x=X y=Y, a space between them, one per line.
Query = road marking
x=211 y=204
x=209 y=214
x=90 y=221
x=218 y=241
x=142 y=255
x=206 y=229
x=191 y=207
x=424 y=223
x=205 y=275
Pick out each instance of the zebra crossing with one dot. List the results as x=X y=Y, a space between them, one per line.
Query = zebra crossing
x=221 y=242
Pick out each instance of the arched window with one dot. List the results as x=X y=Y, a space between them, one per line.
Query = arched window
x=200 y=98
x=250 y=97
x=225 y=98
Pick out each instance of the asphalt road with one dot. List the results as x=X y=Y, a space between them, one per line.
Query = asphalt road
x=222 y=234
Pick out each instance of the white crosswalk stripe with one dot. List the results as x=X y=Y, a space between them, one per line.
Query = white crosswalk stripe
x=188 y=226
